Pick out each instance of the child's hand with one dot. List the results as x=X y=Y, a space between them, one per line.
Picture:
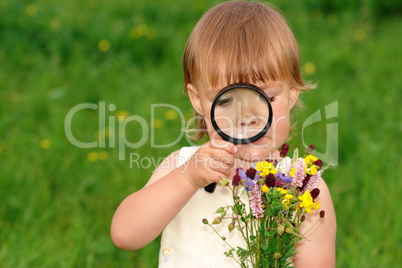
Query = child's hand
x=210 y=163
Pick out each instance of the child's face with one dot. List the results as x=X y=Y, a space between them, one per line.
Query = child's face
x=282 y=98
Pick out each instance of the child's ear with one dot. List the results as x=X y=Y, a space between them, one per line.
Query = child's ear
x=194 y=98
x=293 y=97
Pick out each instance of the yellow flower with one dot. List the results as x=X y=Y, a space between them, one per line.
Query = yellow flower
x=103 y=155
x=286 y=199
x=309 y=68
x=45 y=144
x=313 y=170
x=122 y=115
x=288 y=196
x=104 y=45
x=92 y=156
x=158 y=123
x=360 y=34
x=281 y=190
x=264 y=188
x=310 y=159
x=292 y=172
x=308 y=203
x=55 y=23
x=31 y=10
x=171 y=114
x=265 y=168
x=138 y=31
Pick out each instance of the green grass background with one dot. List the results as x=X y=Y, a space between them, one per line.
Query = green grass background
x=56 y=205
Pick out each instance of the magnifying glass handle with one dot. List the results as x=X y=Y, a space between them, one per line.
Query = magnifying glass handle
x=210 y=188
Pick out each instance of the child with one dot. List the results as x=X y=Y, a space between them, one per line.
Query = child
x=233 y=42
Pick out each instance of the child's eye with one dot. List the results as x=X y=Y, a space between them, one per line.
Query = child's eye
x=224 y=101
x=271 y=99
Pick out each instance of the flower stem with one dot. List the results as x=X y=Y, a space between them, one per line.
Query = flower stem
x=224 y=240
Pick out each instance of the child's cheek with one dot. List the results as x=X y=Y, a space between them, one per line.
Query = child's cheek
x=280 y=127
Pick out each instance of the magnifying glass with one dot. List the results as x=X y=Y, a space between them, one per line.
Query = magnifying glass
x=241 y=113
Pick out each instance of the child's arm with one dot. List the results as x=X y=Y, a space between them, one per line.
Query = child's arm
x=318 y=249
x=143 y=215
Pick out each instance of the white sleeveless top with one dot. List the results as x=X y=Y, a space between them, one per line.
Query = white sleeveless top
x=187 y=242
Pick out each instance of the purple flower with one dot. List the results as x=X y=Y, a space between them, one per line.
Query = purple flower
x=284 y=179
x=246 y=180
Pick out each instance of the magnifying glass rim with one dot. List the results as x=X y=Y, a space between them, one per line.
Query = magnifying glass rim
x=236 y=140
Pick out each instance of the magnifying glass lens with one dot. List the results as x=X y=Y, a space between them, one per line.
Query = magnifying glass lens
x=241 y=114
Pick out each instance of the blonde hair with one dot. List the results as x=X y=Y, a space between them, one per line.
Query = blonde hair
x=240 y=41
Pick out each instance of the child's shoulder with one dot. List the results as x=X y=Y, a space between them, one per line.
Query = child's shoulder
x=324 y=190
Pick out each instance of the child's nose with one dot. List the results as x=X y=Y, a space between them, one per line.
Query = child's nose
x=249 y=120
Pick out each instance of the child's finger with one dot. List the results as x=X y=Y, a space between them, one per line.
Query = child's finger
x=225 y=145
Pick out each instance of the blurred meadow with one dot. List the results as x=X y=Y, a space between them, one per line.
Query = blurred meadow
x=57 y=200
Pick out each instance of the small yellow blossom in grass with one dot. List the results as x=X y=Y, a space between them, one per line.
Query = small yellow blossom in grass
x=134 y=33
x=92 y=156
x=309 y=68
x=264 y=188
x=45 y=144
x=103 y=155
x=108 y=132
x=31 y=10
x=55 y=23
x=292 y=172
x=308 y=203
x=158 y=123
x=360 y=34
x=104 y=45
x=265 y=168
x=122 y=115
x=171 y=114
x=138 y=31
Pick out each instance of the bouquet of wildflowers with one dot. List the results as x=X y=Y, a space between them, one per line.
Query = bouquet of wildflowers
x=279 y=195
